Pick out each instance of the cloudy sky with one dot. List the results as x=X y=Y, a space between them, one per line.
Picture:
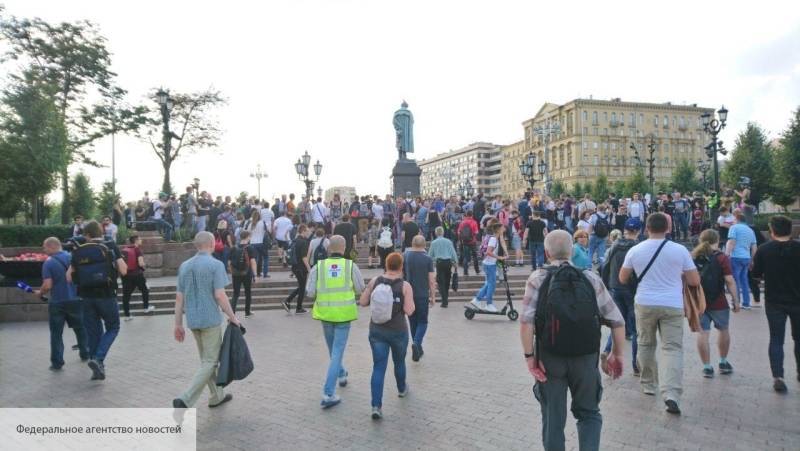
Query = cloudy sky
x=326 y=75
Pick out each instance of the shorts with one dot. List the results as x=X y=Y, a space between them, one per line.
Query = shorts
x=283 y=245
x=516 y=242
x=373 y=251
x=721 y=318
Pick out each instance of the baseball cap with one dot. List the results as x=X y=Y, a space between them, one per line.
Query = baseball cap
x=633 y=224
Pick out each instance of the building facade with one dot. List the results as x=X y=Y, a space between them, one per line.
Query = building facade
x=346 y=193
x=513 y=185
x=599 y=137
x=479 y=163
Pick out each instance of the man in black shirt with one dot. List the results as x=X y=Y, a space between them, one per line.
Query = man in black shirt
x=301 y=268
x=778 y=263
x=348 y=231
x=479 y=209
x=535 y=231
x=410 y=230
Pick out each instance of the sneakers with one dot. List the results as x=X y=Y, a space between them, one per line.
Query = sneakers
x=672 y=407
x=376 y=413
x=491 y=308
x=636 y=371
x=416 y=352
x=745 y=307
x=227 y=398
x=150 y=309
x=725 y=368
x=708 y=371
x=285 y=305
x=403 y=393
x=300 y=311
x=128 y=318
x=178 y=403
x=475 y=304
x=779 y=386
x=248 y=314
x=330 y=401
x=56 y=368
x=98 y=370
x=343 y=380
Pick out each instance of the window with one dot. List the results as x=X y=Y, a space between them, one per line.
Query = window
x=605 y=132
x=594 y=118
x=655 y=121
x=585 y=116
x=621 y=118
x=594 y=145
x=613 y=146
x=632 y=120
x=605 y=116
x=613 y=117
x=596 y=160
x=674 y=120
x=585 y=146
x=605 y=145
x=585 y=131
x=641 y=119
x=655 y=133
x=666 y=147
x=596 y=131
x=666 y=121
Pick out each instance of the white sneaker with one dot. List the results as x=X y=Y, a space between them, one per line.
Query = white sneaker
x=475 y=304
x=150 y=309
x=128 y=318
x=491 y=308
x=483 y=305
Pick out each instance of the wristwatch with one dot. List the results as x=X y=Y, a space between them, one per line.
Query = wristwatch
x=527 y=356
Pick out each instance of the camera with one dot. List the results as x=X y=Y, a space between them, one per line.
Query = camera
x=744 y=182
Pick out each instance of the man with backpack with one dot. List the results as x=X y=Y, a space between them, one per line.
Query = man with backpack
x=134 y=278
x=298 y=260
x=660 y=267
x=242 y=266
x=599 y=228
x=623 y=293
x=715 y=273
x=467 y=238
x=563 y=308
x=93 y=269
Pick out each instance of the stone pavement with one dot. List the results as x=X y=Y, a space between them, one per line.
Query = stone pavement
x=470 y=391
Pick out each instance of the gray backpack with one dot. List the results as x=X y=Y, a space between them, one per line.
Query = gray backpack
x=386 y=299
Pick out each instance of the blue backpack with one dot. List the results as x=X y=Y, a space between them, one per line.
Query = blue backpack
x=94 y=267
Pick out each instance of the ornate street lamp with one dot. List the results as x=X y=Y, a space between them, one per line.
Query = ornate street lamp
x=302 y=167
x=258 y=174
x=713 y=126
x=546 y=132
x=527 y=167
x=703 y=166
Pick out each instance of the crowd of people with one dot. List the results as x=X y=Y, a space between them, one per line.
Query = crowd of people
x=621 y=262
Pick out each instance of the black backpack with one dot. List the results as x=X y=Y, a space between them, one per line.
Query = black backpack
x=601 y=226
x=711 y=277
x=613 y=264
x=94 y=267
x=320 y=253
x=293 y=260
x=240 y=260
x=567 y=319
x=465 y=234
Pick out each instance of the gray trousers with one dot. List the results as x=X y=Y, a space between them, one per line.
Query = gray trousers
x=581 y=376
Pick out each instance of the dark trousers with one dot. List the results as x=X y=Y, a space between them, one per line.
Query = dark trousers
x=469 y=251
x=624 y=298
x=97 y=313
x=301 y=275
x=444 y=272
x=755 y=288
x=238 y=281
x=69 y=313
x=131 y=282
x=776 y=319
x=581 y=376
x=384 y=252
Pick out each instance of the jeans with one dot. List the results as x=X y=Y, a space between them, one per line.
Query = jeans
x=680 y=221
x=419 y=320
x=469 y=252
x=301 y=275
x=597 y=244
x=568 y=224
x=623 y=297
x=95 y=310
x=202 y=222
x=164 y=228
x=382 y=340
x=191 y=224
x=131 y=282
x=336 y=339
x=776 y=319
x=238 y=281
x=579 y=375
x=444 y=272
x=537 y=254
x=209 y=341
x=262 y=259
x=739 y=267
x=65 y=312
x=487 y=290
x=223 y=256
x=668 y=323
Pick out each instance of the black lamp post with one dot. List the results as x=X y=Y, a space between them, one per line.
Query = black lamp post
x=713 y=126
x=703 y=166
x=302 y=167
x=542 y=173
x=466 y=188
x=651 y=147
x=527 y=167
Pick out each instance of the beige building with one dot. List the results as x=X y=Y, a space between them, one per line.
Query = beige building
x=345 y=193
x=596 y=136
x=513 y=185
x=479 y=163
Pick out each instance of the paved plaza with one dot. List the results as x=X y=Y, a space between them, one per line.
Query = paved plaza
x=470 y=391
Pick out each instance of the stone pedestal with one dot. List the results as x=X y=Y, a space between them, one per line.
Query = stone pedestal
x=405 y=178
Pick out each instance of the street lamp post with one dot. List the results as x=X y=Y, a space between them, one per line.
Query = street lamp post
x=651 y=147
x=258 y=174
x=319 y=191
x=527 y=168
x=546 y=132
x=703 y=166
x=467 y=189
x=713 y=126
x=302 y=168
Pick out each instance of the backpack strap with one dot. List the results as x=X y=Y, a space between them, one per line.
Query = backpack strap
x=646 y=268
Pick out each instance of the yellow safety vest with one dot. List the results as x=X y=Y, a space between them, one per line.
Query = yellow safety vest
x=336 y=300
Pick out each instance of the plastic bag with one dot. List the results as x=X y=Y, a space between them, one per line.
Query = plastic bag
x=234 y=357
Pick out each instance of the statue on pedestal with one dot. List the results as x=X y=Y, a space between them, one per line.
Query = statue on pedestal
x=404 y=131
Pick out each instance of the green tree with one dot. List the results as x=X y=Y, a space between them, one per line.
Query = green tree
x=637 y=183
x=557 y=189
x=588 y=187
x=82 y=201
x=577 y=189
x=751 y=158
x=684 y=177
x=107 y=198
x=620 y=190
x=787 y=164
x=600 y=190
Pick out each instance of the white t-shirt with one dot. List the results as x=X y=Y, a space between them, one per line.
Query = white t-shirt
x=583 y=225
x=377 y=211
x=586 y=205
x=157 y=210
x=267 y=216
x=111 y=231
x=493 y=244
x=725 y=219
x=256 y=231
x=282 y=227
x=662 y=286
x=635 y=209
x=318 y=213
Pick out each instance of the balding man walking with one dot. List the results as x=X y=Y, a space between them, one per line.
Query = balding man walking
x=418 y=271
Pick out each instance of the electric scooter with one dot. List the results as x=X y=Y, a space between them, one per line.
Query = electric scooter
x=507 y=310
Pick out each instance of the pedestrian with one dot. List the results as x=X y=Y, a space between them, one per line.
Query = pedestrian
x=777 y=262
x=335 y=283
x=724 y=222
x=242 y=266
x=280 y=231
x=680 y=216
x=201 y=295
x=483 y=300
x=134 y=278
x=347 y=230
x=418 y=271
x=314 y=250
x=385 y=241
x=715 y=274
x=468 y=240
x=94 y=269
x=409 y=231
x=63 y=305
x=372 y=242
x=159 y=208
x=567 y=358
x=599 y=227
x=300 y=268
x=191 y=211
x=622 y=293
x=444 y=256
x=77 y=226
x=223 y=242
x=390 y=335
x=660 y=266
x=535 y=232
x=257 y=228
x=516 y=231
x=109 y=229
x=580 y=251
x=741 y=247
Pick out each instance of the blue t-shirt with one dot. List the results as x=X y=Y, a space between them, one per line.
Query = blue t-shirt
x=744 y=237
x=422 y=214
x=55 y=269
x=198 y=277
x=416 y=268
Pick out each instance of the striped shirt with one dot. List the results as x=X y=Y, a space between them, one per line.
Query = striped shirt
x=605 y=304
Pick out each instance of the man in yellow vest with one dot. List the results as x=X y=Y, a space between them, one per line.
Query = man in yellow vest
x=336 y=283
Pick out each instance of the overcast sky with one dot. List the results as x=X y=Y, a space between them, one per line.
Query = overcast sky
x=327 y=75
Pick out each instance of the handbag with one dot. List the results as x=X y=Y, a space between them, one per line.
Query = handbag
x=454 y=281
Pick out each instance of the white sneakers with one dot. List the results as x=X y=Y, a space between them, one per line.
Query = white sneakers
x=491 y=308
x=150 y=309
x=481 y=305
